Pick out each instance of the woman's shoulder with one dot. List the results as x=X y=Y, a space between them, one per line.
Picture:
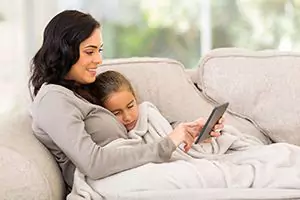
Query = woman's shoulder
x=53 y=88
x=55 y=94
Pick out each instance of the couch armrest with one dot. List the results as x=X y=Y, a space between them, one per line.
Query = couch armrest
x=27 y=168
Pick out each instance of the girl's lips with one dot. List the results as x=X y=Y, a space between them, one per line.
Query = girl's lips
x=130 y=125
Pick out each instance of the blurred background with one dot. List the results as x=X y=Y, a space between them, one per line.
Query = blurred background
x=183 y=30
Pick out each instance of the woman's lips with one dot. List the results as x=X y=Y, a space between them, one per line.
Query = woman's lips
x=92 y=71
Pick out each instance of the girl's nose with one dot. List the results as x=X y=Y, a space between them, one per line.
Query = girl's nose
x=126 y=117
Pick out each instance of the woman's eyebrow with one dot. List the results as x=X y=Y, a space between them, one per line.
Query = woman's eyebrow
x=93 y=46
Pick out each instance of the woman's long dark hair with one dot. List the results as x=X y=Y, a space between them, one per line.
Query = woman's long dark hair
x=60 y=48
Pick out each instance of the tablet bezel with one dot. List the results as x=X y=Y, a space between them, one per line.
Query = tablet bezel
x=213 y=119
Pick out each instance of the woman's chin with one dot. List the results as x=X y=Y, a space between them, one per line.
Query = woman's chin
x=90 y=80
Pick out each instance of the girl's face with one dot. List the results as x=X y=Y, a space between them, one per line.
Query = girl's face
x=84 y=70
x=124 y=106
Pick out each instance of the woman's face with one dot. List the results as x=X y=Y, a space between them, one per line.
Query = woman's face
x=84 y=70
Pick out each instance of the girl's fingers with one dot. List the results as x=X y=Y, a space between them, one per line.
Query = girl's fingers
x=215 y=133
x=188 y=140
x=194 y=132
x=208 y=140
x=218 y=127
x=221 y=121
x=191 y=124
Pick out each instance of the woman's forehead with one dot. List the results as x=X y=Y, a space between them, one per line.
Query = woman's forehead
x=94 y=41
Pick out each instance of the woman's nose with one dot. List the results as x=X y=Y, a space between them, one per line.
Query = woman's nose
x=98 y=58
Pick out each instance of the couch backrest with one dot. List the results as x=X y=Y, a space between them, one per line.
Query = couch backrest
x=165 y=83
x=262 y=87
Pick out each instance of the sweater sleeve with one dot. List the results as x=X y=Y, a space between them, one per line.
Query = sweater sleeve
x=59 y=117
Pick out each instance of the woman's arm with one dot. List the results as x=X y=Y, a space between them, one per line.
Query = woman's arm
x=59 y=116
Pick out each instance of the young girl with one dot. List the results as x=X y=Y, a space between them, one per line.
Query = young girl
x=114 y=92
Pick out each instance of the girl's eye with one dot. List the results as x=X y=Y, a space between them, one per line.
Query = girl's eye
x=116 y=113
x=131 y=106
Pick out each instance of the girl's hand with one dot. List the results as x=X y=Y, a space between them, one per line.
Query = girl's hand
x=216 y=130
x=184 y=133
x=187 y=132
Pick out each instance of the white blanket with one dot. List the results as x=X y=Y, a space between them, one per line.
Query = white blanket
x=233 y=160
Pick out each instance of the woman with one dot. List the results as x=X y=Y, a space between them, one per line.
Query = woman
x=62 y=69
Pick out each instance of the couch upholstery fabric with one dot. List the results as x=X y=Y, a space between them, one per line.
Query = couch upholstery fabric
x=261 y=86
x=165 y=83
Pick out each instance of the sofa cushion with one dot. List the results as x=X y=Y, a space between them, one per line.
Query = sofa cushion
x=165 y=83
x=162 y=82
x=262 y=87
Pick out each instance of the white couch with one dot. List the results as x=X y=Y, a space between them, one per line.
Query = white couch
x=262 y=88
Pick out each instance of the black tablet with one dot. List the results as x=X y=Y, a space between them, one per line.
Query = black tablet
x=213 y=119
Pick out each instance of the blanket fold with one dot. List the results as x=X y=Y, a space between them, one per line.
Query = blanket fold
x=233 y=160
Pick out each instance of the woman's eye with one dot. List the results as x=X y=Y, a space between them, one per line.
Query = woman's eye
x=89 y=52
x=131 y=106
